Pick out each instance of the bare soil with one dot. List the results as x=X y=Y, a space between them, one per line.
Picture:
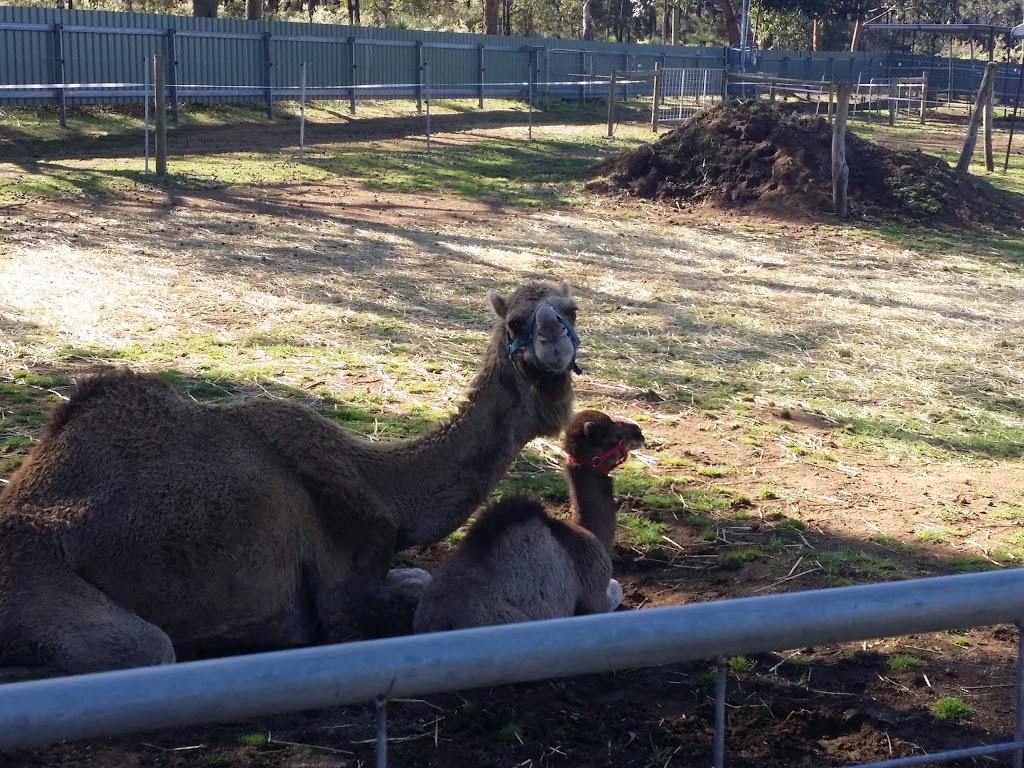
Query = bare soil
x=774 y=159
x=233 y=260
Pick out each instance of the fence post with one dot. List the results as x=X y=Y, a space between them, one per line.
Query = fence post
x=419 y=76
x=924 y=93
x=268 y=77
x=352 y=67
x=145 y=107
x=480 y=79
x=986 y=118
x=547 y=77
x=893 y=94
x=160 y=104
x=583 y=69
x=657 y=97
x=382 y=732
x=529 y=92
x=628 y=68
x=611 y=106
x=840 y=168
x=172 y=72
x=60 y=74
x=302 y=110
x=718 y=759
x=972 y=128
x=425 y=80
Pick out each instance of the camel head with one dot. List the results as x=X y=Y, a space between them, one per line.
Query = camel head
x=537 y=327
x=594 y=439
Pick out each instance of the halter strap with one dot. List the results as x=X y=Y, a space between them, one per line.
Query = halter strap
x=528 y=339
x=607 y=461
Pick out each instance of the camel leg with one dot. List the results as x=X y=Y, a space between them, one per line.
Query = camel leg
x=77 y=629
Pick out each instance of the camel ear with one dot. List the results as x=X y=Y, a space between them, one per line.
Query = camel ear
x=590 y=430
x=566 y=288
x=498 y=303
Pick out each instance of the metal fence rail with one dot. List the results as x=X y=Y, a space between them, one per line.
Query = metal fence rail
x=219 y=690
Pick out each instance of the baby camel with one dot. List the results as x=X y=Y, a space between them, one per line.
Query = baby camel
x=519 y=564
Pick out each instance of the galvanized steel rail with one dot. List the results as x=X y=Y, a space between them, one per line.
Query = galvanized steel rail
x=218 y=690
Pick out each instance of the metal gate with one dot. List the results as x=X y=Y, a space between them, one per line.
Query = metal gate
x=685 y=92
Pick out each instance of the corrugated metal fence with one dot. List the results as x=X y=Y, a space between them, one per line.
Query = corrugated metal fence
x=50 y=56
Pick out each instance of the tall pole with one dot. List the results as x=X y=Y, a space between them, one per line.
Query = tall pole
x=302 y=110
x=1016 y=104
x=160 y=93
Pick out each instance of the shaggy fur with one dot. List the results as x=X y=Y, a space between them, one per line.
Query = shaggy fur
x=519 y=564
x=145 y=527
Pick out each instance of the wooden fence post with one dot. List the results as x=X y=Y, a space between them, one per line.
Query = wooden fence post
x=986 y=119
x=160 y=95
x=611 y=106
x=924 y=93
x=979 y=107
x=840 y=168
x=657 y=97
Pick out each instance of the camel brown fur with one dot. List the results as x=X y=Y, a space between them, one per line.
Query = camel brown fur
x=144 y=527
x=517 y=563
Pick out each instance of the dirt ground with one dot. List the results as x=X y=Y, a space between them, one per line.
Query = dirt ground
x=772 y=158
x=238 y=259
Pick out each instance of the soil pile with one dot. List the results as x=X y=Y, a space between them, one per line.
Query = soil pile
x=769 y=158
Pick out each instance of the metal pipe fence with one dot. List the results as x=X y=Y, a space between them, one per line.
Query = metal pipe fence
x=226 y=689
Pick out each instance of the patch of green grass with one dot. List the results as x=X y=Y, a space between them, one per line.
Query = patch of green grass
x=215 y=760
x=738 y=664
x=644 y=532
x=511 y=733
x=1011 y=511
x=740 y=556
x=981 y=433
x=252 y=739
x=930 y=536
x=970 y=564
x=704 y=683
x=904 y=662
x=951 y=708
x=894 y=544
x=852 y=564
x=767 y=493
x=715 y=471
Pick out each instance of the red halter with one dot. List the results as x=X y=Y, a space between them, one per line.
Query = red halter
x=607 y=461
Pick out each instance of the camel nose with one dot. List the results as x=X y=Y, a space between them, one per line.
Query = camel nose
x=548 y=324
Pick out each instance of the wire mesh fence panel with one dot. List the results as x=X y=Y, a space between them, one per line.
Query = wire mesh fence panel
x=685 y=92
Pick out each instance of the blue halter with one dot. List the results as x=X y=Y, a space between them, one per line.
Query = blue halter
x=527 y=339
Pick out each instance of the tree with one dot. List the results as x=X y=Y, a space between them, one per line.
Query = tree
x=587 y=31
x=730 y=22
x=490 y=17
x=206 y=9
x=254 y=10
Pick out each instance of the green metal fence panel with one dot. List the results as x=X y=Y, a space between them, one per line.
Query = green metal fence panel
x=233 y=60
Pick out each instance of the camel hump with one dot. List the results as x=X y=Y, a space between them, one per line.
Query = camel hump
x=123 y=386
x=494 y=520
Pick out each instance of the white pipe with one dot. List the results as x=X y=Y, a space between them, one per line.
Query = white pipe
x=233 y=688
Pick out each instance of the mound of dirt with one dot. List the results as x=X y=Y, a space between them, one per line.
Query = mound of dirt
x=769 y=158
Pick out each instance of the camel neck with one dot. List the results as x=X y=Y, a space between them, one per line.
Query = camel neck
x=443 y=476
x=592 y=496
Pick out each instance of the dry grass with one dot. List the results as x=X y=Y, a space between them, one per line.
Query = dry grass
x=336 y=287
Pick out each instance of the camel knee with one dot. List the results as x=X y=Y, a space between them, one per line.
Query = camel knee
x=122 y=645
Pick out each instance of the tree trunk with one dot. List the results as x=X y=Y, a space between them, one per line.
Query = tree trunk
x=273 y=6
x=587 y=32
x=206 y=9
x=858 y=30
x=490 y=17
x=731 y=29
x=353 y=12
x=816 y=34
x=253 y=10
